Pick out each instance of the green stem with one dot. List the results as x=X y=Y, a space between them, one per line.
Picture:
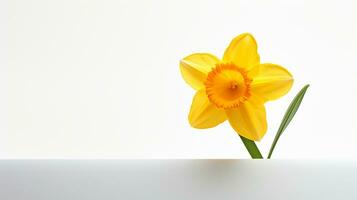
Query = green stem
x=252 y=148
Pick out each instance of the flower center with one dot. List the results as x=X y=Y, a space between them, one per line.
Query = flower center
x=227 y=86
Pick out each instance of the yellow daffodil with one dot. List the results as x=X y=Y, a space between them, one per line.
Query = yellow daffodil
x=234 y=87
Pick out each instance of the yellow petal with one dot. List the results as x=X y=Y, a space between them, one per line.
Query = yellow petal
x=249 y=119
x=194 y=68
x=242 y=51
x=271 y=81
x=203 y=113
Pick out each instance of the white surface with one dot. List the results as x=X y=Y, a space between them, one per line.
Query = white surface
x=100 y=79
x=177 y=179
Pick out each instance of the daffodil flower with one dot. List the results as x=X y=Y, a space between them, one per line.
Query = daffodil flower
x=235 y=87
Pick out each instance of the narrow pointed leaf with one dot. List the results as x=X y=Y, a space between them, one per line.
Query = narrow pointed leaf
x=289 y=114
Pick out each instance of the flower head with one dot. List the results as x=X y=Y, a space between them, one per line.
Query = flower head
x=234 y=87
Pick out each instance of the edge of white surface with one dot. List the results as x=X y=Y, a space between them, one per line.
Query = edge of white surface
x=177 y=179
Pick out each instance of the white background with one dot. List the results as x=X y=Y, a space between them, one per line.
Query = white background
x=100 y=79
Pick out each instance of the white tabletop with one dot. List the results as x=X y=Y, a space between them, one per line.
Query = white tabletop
x=177 y=179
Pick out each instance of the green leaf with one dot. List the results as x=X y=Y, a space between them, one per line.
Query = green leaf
x=252 y=148
x=289 y=114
